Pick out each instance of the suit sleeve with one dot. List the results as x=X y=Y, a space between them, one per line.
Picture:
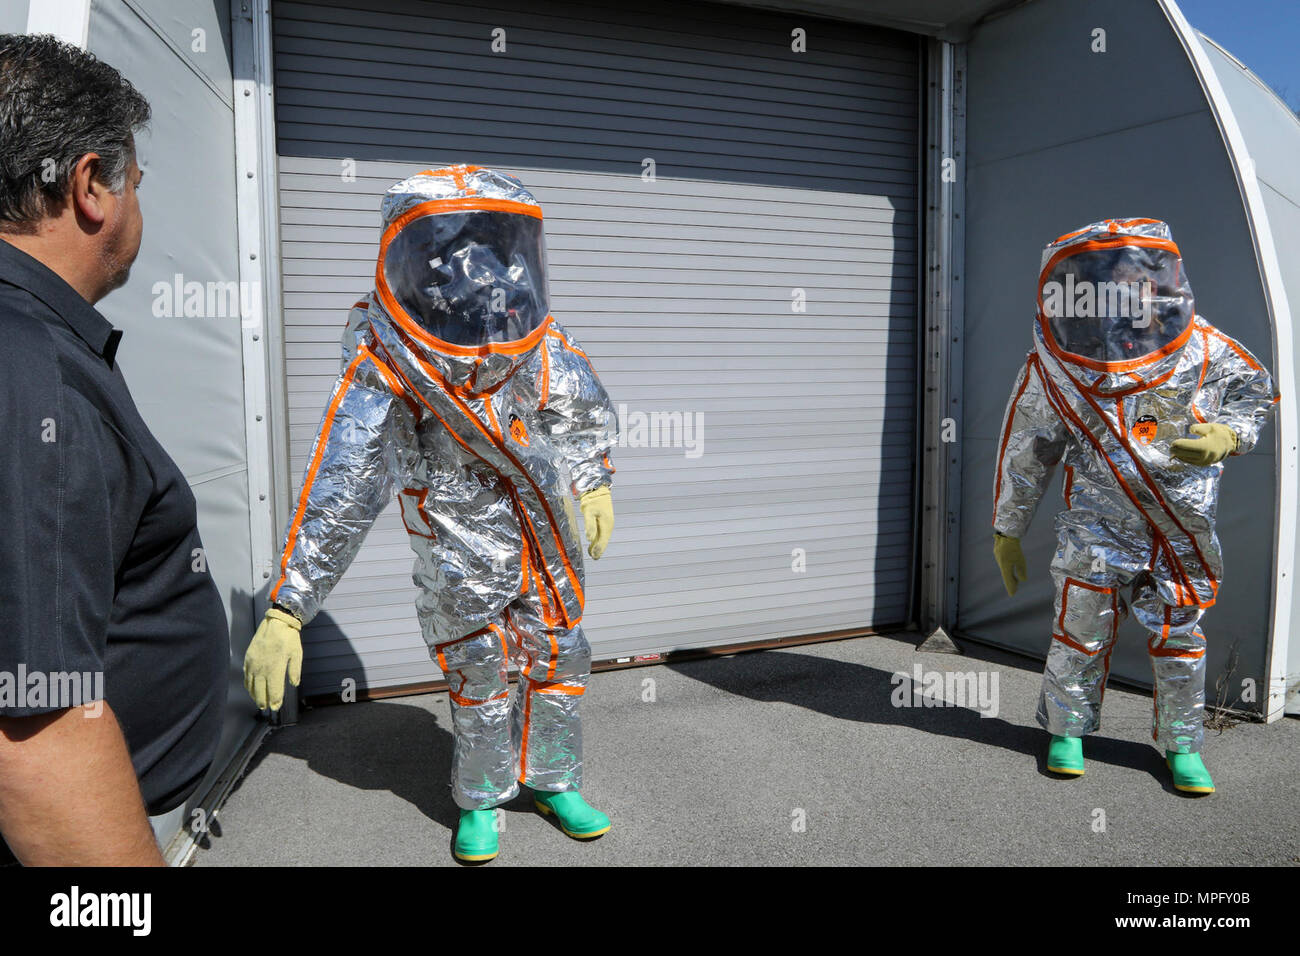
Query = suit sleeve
x=576 y=412
x=347 y=483
x=1244 y=389
x=1030 y=445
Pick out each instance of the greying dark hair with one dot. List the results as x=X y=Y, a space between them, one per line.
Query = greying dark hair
x=58 y=103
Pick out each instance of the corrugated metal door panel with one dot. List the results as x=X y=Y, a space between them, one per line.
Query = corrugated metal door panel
x=775 y=171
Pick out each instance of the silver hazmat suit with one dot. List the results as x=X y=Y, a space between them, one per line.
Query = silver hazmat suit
x=1121 y=367
x=462 y=394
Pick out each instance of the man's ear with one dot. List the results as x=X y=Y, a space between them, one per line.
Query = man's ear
x=86 y=193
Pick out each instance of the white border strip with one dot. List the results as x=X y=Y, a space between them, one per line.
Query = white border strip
x=1288 y=478
x=69 y=20
x=258 y=254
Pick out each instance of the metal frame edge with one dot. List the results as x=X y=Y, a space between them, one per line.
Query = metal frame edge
x=257 y=205
x=942 y=315
x=1288 y=441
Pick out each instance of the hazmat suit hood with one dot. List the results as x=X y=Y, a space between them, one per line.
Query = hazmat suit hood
x=1113 y=297
x=461 y=273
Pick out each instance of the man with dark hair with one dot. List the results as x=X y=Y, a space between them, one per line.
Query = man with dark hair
x=113 y=640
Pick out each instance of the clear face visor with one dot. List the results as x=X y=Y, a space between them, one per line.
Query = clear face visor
x=470 y=278
x=1117 y=305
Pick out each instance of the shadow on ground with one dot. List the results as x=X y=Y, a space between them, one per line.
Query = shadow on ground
x=844 y=690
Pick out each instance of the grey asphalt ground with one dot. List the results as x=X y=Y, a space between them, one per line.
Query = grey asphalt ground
x=732 y=754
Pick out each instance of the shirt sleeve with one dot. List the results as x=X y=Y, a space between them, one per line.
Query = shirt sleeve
x=347 y=483
x=1240 y=387
x=56 y=563
x=576 y=411
x=1030 y=445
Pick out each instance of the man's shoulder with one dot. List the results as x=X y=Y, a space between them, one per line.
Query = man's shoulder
x=28 y=333
x=44 y=362
x=18 y=304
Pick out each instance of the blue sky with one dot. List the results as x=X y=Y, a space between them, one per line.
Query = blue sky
x=1263 y=34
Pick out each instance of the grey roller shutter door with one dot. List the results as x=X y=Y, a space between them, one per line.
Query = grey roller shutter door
x=775 y=171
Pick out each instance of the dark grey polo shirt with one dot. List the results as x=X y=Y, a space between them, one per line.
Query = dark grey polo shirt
x=101 y=569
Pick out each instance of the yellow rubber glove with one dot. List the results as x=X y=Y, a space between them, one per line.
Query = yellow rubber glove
x=1216 y=443
x=1011 y=561
x=276 y=647
x=598 y=515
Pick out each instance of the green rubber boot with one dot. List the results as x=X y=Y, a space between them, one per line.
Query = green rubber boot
x=1065 y=755
x=1190 y=774
x=576 y=818
x=476 y=836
